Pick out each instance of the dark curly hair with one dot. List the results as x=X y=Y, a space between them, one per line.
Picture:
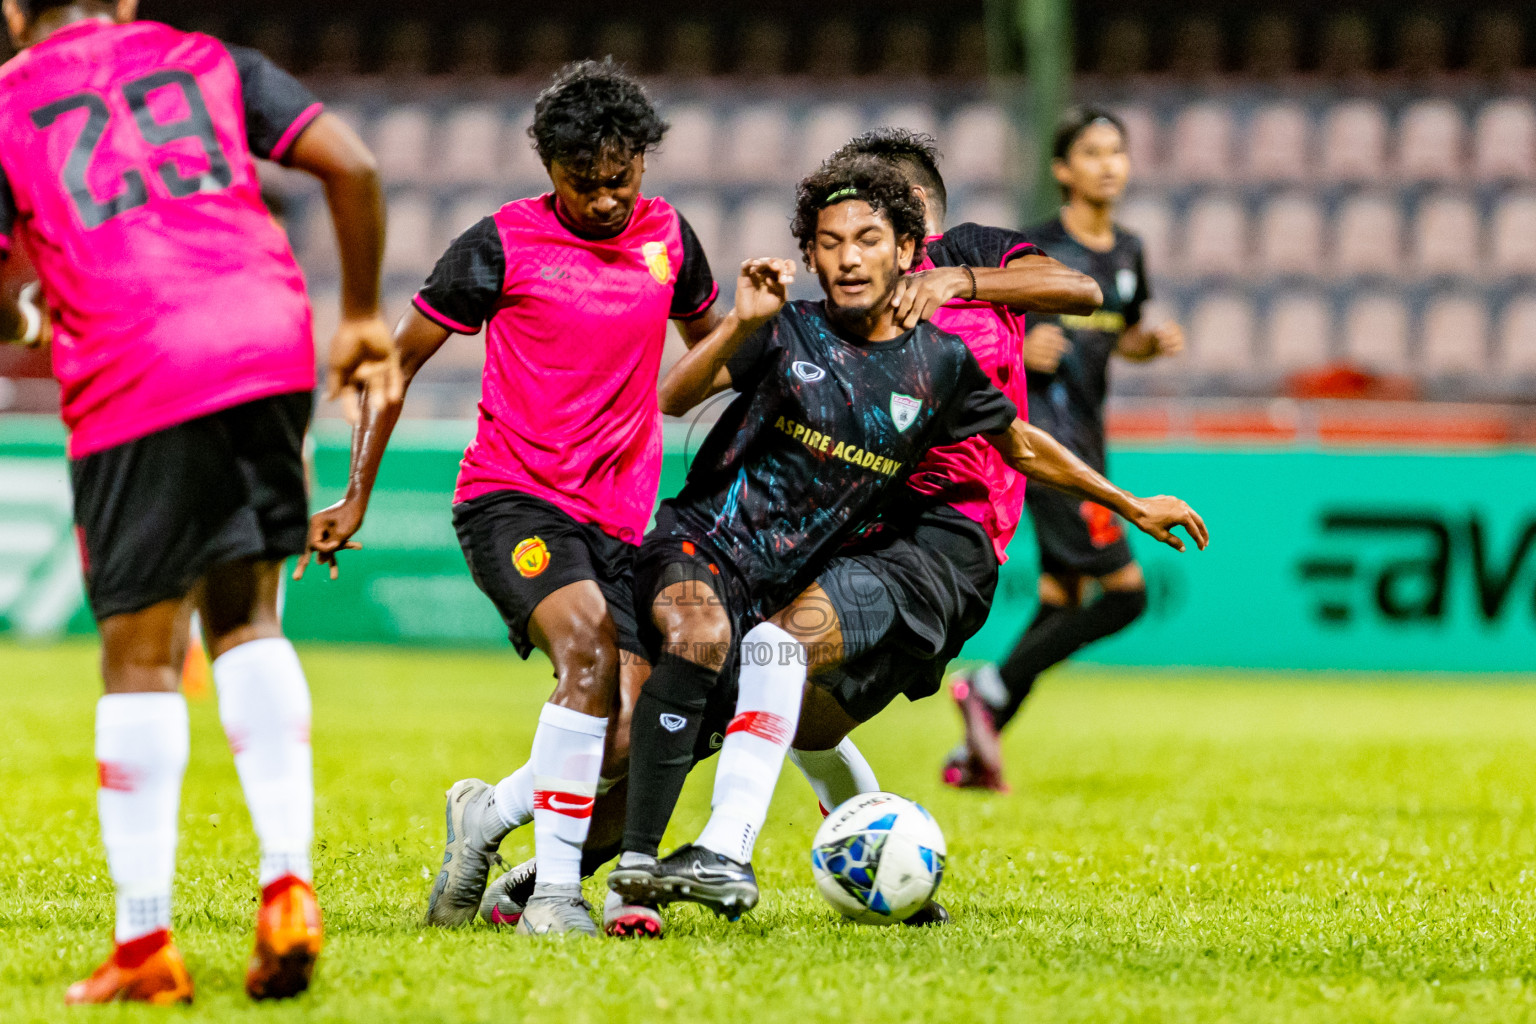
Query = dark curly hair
x=916 y=153
x=594 y=109
x=871 y=179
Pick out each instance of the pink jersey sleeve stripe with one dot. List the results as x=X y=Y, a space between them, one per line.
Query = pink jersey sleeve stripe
x=1022 y=249
x=294 y=130
x=714 y=293
x=5 y=243
x=441 y=320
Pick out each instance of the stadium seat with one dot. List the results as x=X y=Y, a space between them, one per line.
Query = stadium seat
x=1504 y=144
x=906 y=50
x=1354 y=142
x=1202 y=143
x=408 y=49
x=763 y=48
x=274 y=37
x=990 y=208
x=1513 y=244
x=1300 y=331
x=826 y=127
x=1277 y=143
x=917 y=117
x=704 y=215
x=979 y=145
x=1216 y=237
x=1431 y=141
x=1446 y=237
x=471 y=147
x=400 y=140
x=1151 y=219
x=1221 y=334
x=1347 y=46
x=1123 y=48
x=836 y=50
x=477 y=49
x=1269 y=47
x=624 y=41
x=756 y=139
x=1455 y=335
x=1197 y=48
x=1376 y=333
x=1290 y=236
x=690 y=50
x=1141 y=127
x=687 y=153
x=1369 y=239
x=762 y=229
x=543 y=48
x=464 y=214
x=1419 y=46
x=523 y=169
x=338 y=49
x=411 y=245
x=1497 y=40
x=1517 y=337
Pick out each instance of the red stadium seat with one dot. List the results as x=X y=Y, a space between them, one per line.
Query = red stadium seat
x=1455 y=335
x=1300 y=332
x=1278 y=140
x=1216 y=237
x=1517 y=337
x=1369 y=239
x=1447 y=237
x=1432 y=141
x=1290 y=235
x=1221 y=334
x=1202 y=143
x=1513 y=244
x=1354 y=142
x=1504 y=144
x=1376 y=333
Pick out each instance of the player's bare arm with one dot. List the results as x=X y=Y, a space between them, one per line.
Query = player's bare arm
x=1033 y=282
x=761 y=291
x=362 y=353
x=331 y=529
x=1141 y=344
x=1043 y=459
x=700 y=327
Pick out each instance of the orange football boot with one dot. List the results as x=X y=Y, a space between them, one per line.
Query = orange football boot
x=146 y=970
x=288 y=936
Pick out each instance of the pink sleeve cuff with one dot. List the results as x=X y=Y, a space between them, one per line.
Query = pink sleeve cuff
x=1022 y=249
x=441 y=320
x=296 y=129
x=5 y=243
x=714 y=293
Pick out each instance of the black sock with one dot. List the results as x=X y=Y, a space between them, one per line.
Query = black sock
x=1054 y=637
x=660 y=756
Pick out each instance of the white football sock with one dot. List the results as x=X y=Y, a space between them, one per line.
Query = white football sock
x=767 y=712
x=567 y=759
x=513 y=800
x=836 y=775
x=264 y=706
x=141 y=756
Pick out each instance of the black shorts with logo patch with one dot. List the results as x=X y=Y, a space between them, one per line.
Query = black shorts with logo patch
x=908 y=596
x=521 y=549
x=156 y=513
x=1076 y=537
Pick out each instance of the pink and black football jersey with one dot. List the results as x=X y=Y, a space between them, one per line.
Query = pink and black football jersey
x=971 y=476
x=127 y=159
x=575 y=329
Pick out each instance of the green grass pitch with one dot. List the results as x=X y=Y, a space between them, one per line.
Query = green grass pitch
x=1178 y=848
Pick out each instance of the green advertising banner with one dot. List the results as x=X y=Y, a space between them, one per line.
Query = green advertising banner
x=1319 y=559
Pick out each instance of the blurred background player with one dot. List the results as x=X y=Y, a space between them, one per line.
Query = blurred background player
x=1090 y=585
x=128 y=164
x=575 y=287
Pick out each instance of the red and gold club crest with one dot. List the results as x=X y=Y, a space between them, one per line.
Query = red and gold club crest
x=656 y=259
x=531 y=557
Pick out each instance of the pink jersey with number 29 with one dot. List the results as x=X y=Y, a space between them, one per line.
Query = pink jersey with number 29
x=126 y=153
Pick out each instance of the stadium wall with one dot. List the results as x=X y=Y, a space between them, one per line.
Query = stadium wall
x=1321 y=558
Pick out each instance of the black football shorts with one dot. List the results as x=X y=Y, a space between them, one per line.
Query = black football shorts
x=1076 y=537
x=156 y=513
x=521 y=548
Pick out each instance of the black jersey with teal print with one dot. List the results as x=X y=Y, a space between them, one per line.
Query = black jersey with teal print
x=1069 y=404
x=825 y=427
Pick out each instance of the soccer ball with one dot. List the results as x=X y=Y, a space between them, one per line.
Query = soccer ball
x=878 y=858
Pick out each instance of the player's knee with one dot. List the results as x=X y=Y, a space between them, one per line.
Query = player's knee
x=700 y=633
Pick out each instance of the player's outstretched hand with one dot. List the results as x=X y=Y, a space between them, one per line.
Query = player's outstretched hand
x=1161 y=514
x=1044 y=345
x=762 y=288
x=364 y=357
x=918 y=296
x=330 y=531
